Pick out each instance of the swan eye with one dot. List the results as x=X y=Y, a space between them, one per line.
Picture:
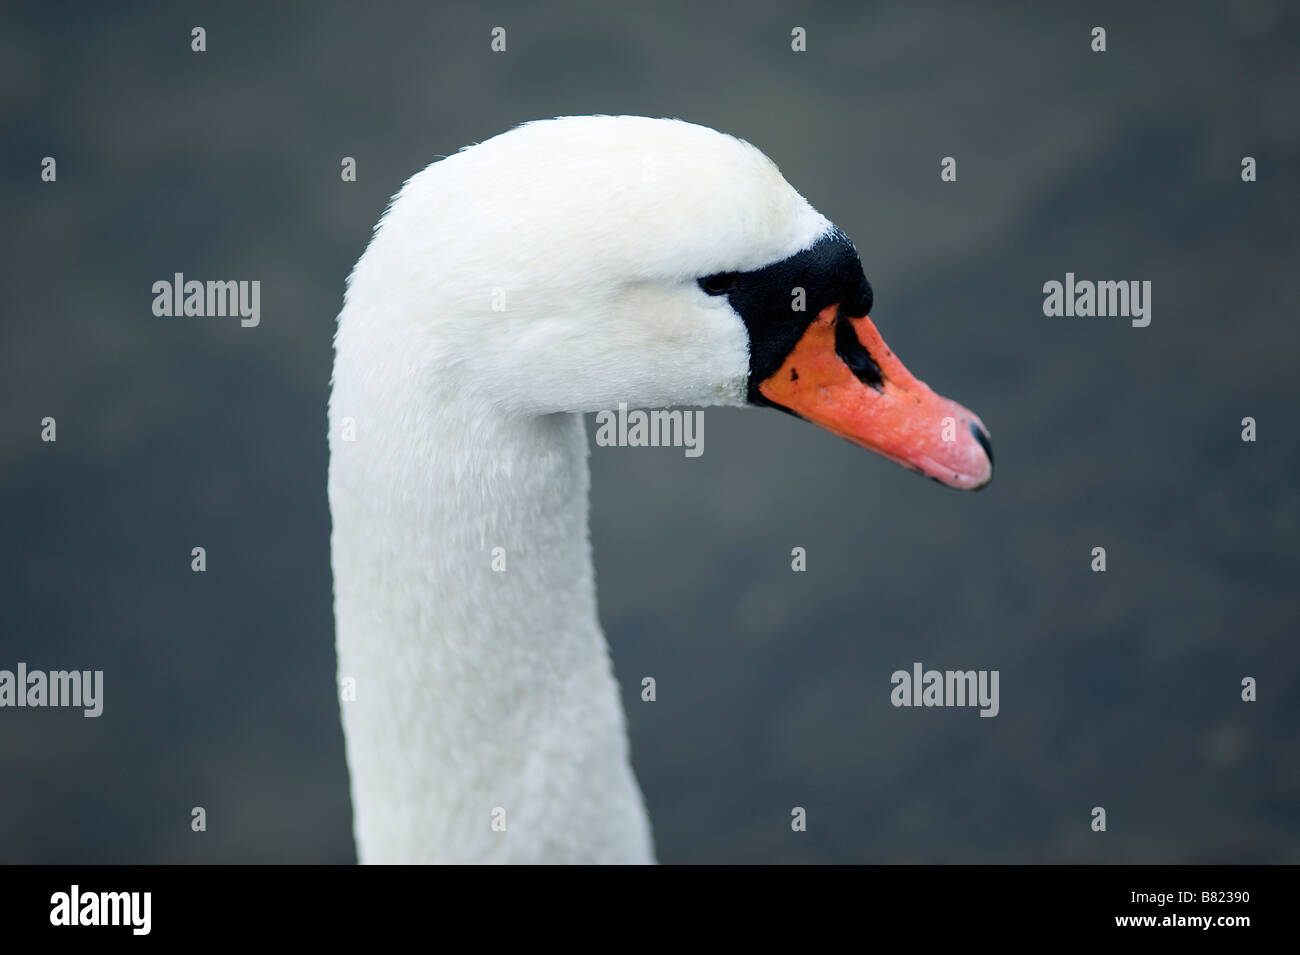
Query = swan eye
x=719 y=284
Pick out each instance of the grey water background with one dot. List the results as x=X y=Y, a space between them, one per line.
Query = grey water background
x=1119 y=690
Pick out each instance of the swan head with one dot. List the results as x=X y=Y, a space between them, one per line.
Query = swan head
x=576 y=263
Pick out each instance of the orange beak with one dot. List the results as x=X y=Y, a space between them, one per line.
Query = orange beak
x=842 y=376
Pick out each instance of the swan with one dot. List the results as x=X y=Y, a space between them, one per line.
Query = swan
x=559 y=268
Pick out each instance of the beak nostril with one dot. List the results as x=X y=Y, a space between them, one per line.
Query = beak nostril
x=982 y=437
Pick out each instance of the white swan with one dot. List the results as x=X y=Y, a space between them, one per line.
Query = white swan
x=562 y=267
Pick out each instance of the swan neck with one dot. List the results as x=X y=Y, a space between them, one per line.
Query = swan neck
x=484 y=722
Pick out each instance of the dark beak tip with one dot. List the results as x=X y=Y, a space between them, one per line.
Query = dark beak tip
x=983 y=438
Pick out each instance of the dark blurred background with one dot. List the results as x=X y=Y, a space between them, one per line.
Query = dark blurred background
x=1119 y=689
